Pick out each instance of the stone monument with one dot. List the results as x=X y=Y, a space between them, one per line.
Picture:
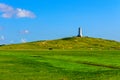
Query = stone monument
x=79 y=32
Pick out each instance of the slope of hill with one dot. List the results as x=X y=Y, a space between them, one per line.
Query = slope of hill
x=70 y=43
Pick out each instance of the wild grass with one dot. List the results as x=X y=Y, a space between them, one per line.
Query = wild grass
x=59 y=65
x=70 y=43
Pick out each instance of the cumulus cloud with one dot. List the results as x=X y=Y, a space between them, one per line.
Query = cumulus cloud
x=5 y=8
x=7 y=11
x=24 y=13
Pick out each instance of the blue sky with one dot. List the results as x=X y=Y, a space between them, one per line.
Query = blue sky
x=32 y=20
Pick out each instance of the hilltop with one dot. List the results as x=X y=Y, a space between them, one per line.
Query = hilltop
x=69 y=43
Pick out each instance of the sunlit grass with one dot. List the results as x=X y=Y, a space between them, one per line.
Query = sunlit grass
x=59 y=65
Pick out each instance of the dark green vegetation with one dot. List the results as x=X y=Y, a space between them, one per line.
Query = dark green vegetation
x=59 y=65
x=71 y=43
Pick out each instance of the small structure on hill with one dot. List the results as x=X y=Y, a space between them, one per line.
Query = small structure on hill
x=79 y=32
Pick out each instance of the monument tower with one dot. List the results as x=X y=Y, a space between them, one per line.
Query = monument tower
x=79 y=32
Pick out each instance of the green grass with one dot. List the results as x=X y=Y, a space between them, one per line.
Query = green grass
x=70 y=43
x=59 y=65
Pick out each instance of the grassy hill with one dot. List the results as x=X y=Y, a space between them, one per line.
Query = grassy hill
x=69 y=43
x=66 y=61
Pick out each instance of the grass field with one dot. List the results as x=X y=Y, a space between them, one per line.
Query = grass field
x=59 y=65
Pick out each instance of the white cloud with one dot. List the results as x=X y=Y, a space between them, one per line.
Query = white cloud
x=5 y=8
x=2 y=38
x=8 y=12
x=12 y=41
x=23 y=40
x=24 y=13
x=7 y=15
x=25 y=32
